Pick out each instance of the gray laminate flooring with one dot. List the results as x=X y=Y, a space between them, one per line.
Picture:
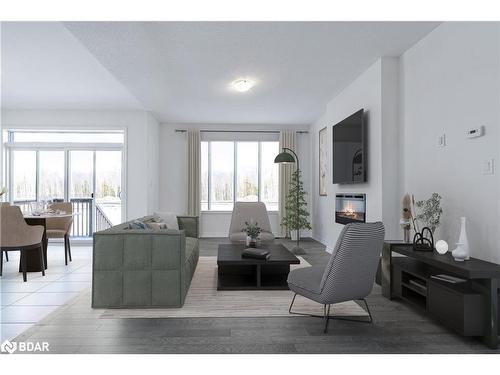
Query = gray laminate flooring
x=397 y=328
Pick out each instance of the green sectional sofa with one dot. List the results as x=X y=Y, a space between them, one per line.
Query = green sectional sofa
x=143 y=268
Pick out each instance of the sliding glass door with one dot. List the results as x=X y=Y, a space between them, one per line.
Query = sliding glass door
x=23 y=176
x=108 y=188
x=90 y=179
x=51 y=174
x=81 y=190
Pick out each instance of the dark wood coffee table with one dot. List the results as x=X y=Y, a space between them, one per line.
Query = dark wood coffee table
x=237 y=273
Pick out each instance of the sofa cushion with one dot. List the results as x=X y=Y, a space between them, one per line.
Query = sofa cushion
x=168 y=218
x=191 y=245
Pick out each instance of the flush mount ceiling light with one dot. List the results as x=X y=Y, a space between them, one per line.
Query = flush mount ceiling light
x=243 y=84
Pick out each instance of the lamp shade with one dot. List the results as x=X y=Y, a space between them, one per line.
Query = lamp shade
x=284 y=158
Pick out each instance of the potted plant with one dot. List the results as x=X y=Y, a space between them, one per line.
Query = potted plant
x=296 y=217
x=253 y=232
x=430 y=211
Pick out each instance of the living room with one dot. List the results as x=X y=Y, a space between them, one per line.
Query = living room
x=222 y=187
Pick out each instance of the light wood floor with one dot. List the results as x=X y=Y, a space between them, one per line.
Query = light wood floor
x=397 y=328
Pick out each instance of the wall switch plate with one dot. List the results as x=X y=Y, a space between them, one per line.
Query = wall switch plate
x=474 y=133
x=489 y=167
x=441 y=140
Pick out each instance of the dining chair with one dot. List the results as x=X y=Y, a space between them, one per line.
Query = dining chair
x=17 y=235
x=59 y=227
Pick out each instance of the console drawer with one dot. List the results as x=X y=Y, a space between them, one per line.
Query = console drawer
x=461 y=310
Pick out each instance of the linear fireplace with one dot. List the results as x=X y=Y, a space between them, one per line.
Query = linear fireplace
x=350 y=208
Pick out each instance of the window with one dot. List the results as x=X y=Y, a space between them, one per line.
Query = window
x=247 y=169
x=221 y=176
x=63 y=136
x=51 y=174
x=24 y=176
x=238 y=171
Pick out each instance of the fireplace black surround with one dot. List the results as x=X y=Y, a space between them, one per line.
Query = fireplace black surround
x=350 y=208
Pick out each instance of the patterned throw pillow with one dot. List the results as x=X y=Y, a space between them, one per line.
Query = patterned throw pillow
x=157 y=226
x=168 y=218
x=137 y=224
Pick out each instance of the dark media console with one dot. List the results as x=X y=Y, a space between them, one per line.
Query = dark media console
x=469 y=308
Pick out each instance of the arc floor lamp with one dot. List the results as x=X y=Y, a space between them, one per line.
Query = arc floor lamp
x=291 y=157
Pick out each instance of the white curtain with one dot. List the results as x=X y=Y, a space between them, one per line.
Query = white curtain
x=194 y=163
x=287 y=139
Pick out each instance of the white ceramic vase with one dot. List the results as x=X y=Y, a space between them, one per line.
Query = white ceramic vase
x=462 y=251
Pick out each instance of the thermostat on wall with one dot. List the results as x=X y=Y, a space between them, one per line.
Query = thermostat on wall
x=474 y=133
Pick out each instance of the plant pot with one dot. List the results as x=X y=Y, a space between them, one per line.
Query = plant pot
x=293 y=235
x=252 y=242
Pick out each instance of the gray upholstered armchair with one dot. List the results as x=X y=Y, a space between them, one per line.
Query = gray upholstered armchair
x=350 y=273
x=249 y=211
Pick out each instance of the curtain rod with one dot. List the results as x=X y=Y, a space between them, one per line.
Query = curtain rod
x=241 y=131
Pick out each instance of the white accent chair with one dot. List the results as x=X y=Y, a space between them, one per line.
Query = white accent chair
x=247 y=212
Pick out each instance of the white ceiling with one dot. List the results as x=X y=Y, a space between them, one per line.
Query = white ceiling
x=181 y=70
x=44 y=66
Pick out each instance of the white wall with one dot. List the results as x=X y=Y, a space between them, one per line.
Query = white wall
x=153 y=163
x=141 y=131
x=375 y=90
x=173 y=173
x=451 y=83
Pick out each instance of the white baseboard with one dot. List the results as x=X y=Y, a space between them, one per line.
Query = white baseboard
x=213 y=235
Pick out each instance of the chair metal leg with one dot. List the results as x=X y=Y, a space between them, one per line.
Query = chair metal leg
x=327 y=317
x=42 y=262
x=1 y=262
x=23 y=265
x=293 y=300
x=6 y=256
x=368 y=310
x=326 y=314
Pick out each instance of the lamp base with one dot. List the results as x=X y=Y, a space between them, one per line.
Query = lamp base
x=297 y=250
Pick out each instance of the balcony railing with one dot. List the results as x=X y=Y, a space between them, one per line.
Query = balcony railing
x=83 y=223
x=102 y=221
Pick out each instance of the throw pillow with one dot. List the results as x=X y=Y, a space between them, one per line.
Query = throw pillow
x=157 y=226
x=168 y=218
x=137 y=224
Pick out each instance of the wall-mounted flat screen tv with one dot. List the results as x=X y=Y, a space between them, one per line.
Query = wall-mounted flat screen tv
x=349 y=150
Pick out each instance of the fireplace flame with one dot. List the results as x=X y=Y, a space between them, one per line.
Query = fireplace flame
x=348 y=210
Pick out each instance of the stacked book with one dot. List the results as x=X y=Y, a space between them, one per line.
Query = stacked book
x=256 y=253
x=448 y=279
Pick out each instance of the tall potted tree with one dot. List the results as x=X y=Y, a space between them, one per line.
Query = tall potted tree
x=297 y=216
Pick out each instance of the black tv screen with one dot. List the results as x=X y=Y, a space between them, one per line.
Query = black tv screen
x=349 y=150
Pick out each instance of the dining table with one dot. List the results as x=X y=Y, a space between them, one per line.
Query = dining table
x=33 y=263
